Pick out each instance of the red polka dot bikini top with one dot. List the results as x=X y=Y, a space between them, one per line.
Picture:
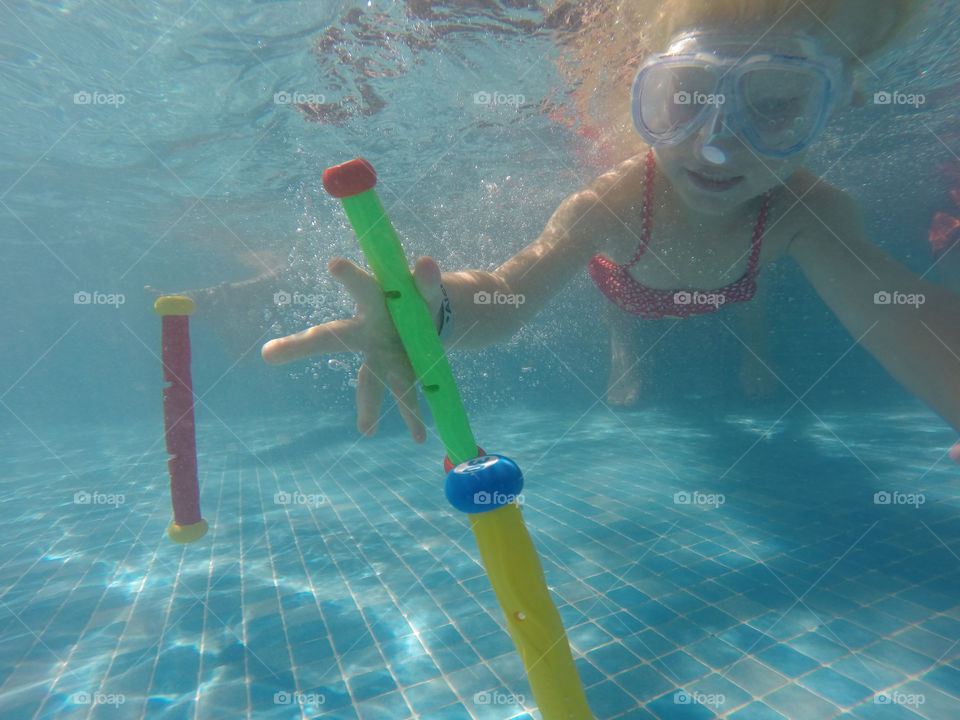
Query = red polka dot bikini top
x=616 y=282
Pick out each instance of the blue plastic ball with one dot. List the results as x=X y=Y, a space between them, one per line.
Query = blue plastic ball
x=483 y=484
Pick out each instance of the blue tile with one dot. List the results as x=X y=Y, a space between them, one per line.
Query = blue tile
x=943 y=626
x=711 y=591
x=493 y=645
x=462 y=607
x=644 y=682
x=310 y=652
x=571 y=616
x=430 y=695
x=620 y=624
x=879 y=622
x=416 y=669
x=627 y=596
x=901 y=658
x=903 y=609
x=715 y=652
x=712 y=619
x=477 y=625
x=455 y=657
x=607 y=699
x=944 y=678
x=649 y=644
x=637 y=714
x=778 y=626
x=385 y=707
x=682 y=602
x=588 y=636
x=787 y=661
x=589 y=673
x=612 y=658
x=603 y=582
x=677 y=706
x=928 y=598
x=818 y=647
x=681 y=631
x=756 y=711
x=457 y=711
x=869 y=672
x=871 y=710
x=719 y=693
x=396 y=651
x=653 y=613
x=849 y=635
x=441 y=637
x=747 y=639
x=839 y=689
x=334 y=694
x=681 y=667
x=346 y=639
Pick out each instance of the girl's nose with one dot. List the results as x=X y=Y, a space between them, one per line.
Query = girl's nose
x=711 y=136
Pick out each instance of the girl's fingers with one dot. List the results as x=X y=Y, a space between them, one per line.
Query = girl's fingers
x=370 y=387
x=332 y=337
x=357 y=281
x=402 y=385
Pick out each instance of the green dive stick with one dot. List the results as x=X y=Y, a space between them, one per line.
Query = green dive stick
x=353 y=183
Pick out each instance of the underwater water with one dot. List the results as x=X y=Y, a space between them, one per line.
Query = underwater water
x=711 y=552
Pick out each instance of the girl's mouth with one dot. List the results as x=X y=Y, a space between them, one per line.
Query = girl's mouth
x=713 y=184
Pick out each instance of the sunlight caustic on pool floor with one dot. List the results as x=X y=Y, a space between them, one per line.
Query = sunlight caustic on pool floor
x=702 y=568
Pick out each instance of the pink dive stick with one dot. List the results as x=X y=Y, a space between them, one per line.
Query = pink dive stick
x=188 y=525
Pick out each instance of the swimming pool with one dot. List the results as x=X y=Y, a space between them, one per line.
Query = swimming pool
x=358 y=594
x=710 y=555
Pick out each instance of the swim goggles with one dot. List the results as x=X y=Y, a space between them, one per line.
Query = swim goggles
x=778 y=101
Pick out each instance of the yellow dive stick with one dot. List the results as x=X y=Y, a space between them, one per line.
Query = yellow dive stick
x=485 y=487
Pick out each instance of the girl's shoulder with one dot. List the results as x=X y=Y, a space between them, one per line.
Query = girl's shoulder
x=809 y=193
x=803 y=203
x=602 y=205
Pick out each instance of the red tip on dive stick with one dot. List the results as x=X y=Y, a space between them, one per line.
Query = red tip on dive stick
x=349 y=178
x=188 y=524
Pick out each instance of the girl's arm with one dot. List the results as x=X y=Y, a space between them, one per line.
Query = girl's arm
x=910 y=325
x=491 y=307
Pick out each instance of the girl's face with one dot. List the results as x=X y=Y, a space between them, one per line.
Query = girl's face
x=731 y=116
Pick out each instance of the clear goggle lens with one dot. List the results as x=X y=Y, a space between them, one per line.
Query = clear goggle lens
x=778 y=110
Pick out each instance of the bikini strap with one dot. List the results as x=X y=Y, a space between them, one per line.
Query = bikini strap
x=651 y=166
x=757 y=239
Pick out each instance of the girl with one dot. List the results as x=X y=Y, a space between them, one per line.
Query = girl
x=725 y=99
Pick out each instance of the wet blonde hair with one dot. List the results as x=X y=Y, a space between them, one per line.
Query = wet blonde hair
x=605 y=41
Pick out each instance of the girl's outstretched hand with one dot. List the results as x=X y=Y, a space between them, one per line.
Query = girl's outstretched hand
x=372 y=333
